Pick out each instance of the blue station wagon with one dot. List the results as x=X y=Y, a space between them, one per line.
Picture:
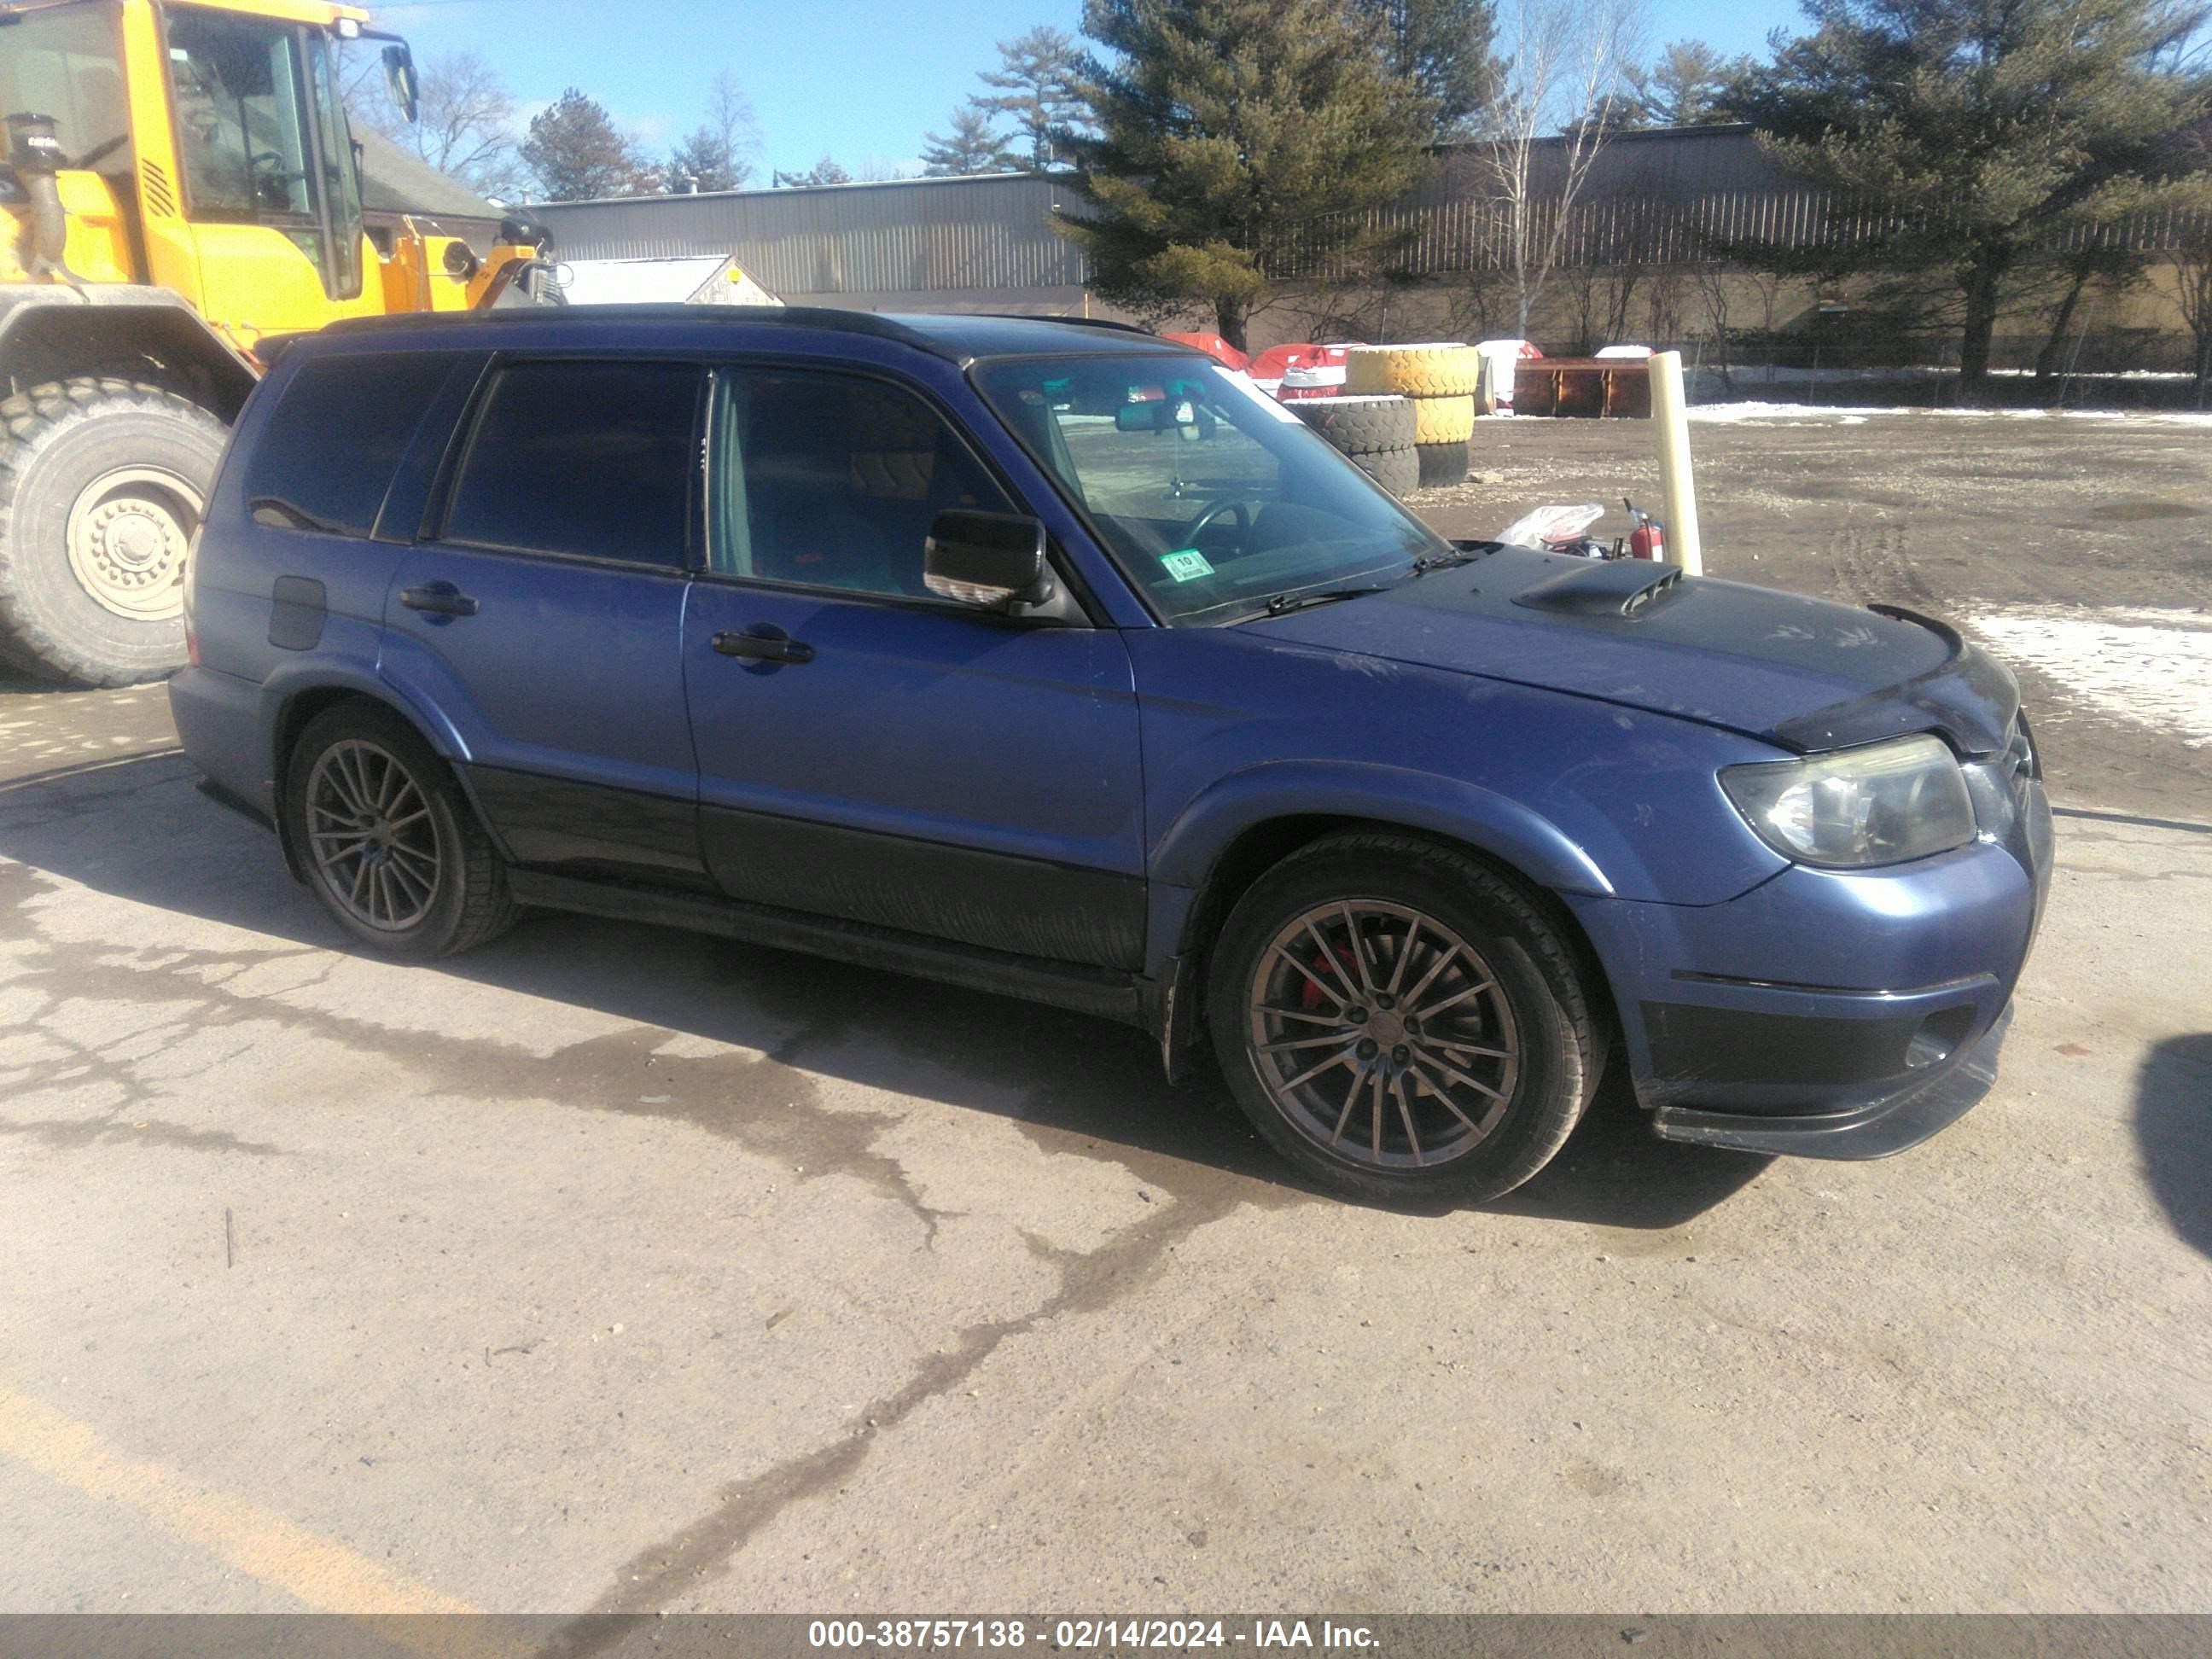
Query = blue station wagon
x=1051 y=659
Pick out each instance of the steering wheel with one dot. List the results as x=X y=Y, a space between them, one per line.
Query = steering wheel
x=1223 y=506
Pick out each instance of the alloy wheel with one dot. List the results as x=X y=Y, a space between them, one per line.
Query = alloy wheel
x=375 y=843
x=1381 y=1034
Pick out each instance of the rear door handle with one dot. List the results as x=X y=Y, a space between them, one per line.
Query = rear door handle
x=763 y=642
x=439 y=599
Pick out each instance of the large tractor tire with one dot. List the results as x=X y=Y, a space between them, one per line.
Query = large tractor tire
x=1398 y=471
x=102 y=482
x=1443 y=420
x=1358 y=426
x=1417 y=371
x=1441 y=464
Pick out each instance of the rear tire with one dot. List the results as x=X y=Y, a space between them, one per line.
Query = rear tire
x=392 y=846
x=102 y=482
x=1444 y=1058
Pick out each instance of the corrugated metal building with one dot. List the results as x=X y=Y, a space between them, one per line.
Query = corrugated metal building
x=1666 y=197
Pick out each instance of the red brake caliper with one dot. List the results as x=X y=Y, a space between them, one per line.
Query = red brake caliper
x=1309 y=993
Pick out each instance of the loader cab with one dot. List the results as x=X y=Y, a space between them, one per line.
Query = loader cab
x=202 y=148
x=261 y=134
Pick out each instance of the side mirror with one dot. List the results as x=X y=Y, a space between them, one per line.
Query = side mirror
x=986 y=559
x=399 y=79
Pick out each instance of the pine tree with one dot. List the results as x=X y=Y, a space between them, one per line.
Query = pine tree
x=971 y=148
x=1231 y=132
x=575 y=152
x=1979 y=129
x=1036 y=83
x=1687 y=87
x=1443 y=48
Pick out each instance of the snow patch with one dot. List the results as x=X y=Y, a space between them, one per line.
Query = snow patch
x=1731 y=413
x=2149 y=667
x=1840 y=414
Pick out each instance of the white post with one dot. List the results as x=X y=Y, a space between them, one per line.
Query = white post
x=1670 y=422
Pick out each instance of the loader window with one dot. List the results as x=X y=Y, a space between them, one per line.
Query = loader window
x=256 y=105
x=240 y=120
x=66 y=63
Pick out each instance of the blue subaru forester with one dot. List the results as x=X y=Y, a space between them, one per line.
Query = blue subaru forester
x=1051 y=659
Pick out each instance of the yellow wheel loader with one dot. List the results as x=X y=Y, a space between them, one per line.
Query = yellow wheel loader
x=178 y=188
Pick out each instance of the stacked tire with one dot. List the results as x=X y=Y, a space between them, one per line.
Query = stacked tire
x=1439 y=380
x=1376 y=434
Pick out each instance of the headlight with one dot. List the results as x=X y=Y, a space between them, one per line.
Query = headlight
x=1883 y=804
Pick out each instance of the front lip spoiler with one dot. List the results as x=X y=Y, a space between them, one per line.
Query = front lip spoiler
x=1879 y=1130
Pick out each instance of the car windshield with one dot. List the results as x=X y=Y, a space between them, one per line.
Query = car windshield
x=1212 y=497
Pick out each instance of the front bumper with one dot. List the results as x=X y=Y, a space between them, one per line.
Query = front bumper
x=1876 y=1130
x=1830 y=1014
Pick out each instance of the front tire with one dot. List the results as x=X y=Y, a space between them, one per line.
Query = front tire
x=1400 y=1022
x=390 y=844
x=102 y=482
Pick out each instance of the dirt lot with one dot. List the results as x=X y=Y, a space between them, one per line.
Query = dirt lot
x=621 y=1270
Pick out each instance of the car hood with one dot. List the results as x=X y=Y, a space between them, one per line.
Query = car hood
x=1803 y=674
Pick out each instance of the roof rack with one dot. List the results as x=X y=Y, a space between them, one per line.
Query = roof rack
x=820 y=317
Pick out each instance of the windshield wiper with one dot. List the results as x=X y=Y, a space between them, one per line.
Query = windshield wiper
x=1429 y=562
x=1283 y=603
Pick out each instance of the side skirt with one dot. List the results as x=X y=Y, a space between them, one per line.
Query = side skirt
x=1099 y=991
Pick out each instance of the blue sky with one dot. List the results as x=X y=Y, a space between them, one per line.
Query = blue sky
x=856 y=79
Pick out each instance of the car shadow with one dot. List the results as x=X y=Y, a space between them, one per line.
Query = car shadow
x=2173 y=1131
x=139 y=830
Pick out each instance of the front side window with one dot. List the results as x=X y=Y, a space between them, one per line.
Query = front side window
x=1212 y=497
x=326 y=457
x=833 y=481
x=66 y=62
x=582 y=458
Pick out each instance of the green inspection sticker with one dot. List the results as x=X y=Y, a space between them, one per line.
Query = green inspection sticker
x=1187 y=566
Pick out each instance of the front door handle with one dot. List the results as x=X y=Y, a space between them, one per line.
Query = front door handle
x=763 y=642
x=439 y=599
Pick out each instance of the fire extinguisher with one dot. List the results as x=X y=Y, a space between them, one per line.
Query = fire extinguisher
x=1648 y=540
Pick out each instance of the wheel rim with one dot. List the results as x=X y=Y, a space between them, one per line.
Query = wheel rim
x=128 y=532
x=1381 y=1034
x=375 y=843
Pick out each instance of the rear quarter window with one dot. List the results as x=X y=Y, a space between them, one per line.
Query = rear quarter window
x=326 y=455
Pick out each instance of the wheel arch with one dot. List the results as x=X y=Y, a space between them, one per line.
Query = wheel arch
x=296 y=708
x=50 y=333
x=1539 y=866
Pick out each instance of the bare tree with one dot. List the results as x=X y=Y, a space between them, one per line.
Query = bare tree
x=718 y=152
x=2192 y=297
x=1565 y=71
x=466 y=128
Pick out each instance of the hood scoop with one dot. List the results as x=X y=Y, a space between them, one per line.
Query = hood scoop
x=1603 y=587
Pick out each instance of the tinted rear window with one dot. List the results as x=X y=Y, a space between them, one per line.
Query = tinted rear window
x=587 y=457
x=327 y=455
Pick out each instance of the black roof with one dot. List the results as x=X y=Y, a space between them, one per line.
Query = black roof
x=956 y=337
